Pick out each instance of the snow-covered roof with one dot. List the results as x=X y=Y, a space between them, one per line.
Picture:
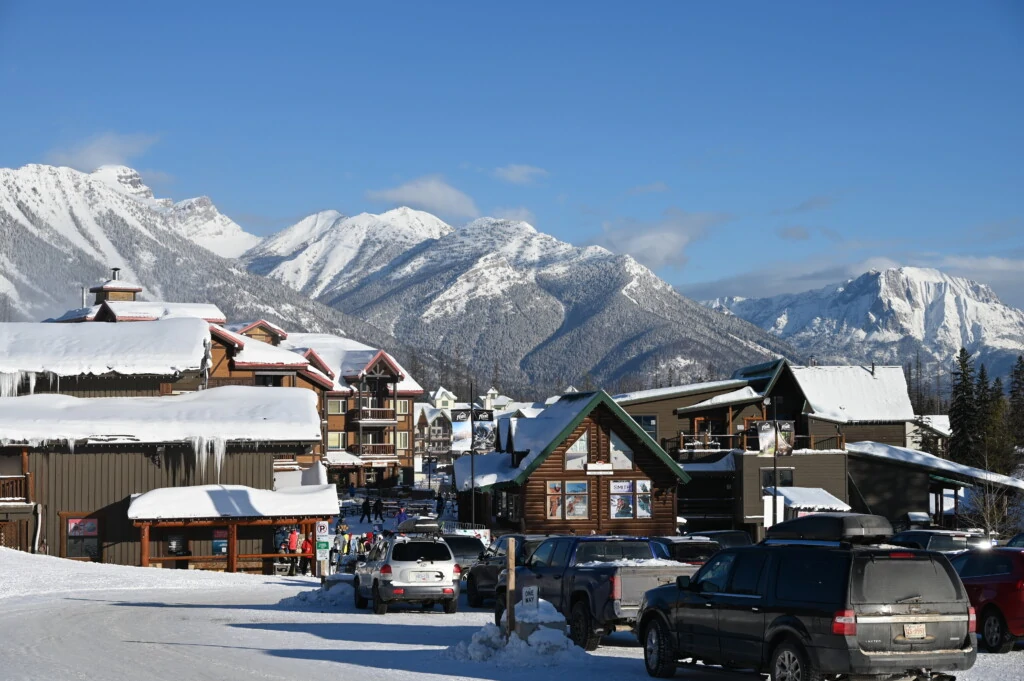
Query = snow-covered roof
x=809 y=499
x=252 y=352
x=430 y=412
x=234 y=501
x=347 y=358
x=297 y=476
x=856 y=393
x=217 y=415
x=126 y=310
x=168 y=347
x=744 y=394
x=726 y=464
x=939 y=423
x=677 y=391
x=931 y=462
x=442 y=393
x=116 y=285
x=340 y=458
x=79 y=314
x=242 y=327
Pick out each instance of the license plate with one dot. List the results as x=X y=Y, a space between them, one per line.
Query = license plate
x=914 y=630
x=424 y=576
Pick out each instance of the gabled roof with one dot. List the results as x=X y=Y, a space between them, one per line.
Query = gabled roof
x=844 y=394
x=540 y=436
x=269 y=327
x=762 y=377
x=135 y=311
x=255 y=354
x=116 y=285
x=912 y=457
x=349 y=359
x=677 y=391
x=744 y=395
x=442 y=393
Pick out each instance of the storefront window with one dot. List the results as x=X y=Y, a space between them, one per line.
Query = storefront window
x=630 y=499
x=83 y=538
x=568 y=500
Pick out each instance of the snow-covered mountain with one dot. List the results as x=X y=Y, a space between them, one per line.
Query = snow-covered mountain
x=888 y=316
x=326 y=252
x=507 y=299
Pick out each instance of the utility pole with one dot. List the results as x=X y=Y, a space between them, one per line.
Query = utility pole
x=472 y=460
x=774 y=402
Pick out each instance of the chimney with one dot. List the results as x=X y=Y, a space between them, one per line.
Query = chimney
x=115 y=273
x=85 y=296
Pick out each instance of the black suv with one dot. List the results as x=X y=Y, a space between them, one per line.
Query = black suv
x=809 y=602
x=483 y=576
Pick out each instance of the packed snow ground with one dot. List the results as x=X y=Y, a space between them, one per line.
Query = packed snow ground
x=61 y=620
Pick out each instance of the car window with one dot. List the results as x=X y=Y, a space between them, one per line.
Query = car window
x=661 y=549
x=881 y=579
x=500 y=547
x=909 y=539
x=714 y=576
x=998 y=564
x=815 y=577
x=692 y=552
x=542 y=556
x=746 y=575
x=527 y=550
x=610 y=551
x=947 y=542
x=421 y=550
x=1017 y=541
x=465 y=545
x=560 y=556
x=960 y=564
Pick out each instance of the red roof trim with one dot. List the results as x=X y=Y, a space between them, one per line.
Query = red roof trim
x=319 y=380
x=266 y=325
x=315 y=359
x=225 y=336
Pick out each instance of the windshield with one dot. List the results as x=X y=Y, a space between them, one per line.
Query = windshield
x=947 y=542
x=421 y=550
x=881 y=579
x=608 y=551
x=465 y=545
x=692 y=552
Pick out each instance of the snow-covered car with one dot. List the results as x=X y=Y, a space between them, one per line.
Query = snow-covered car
x=402 y=569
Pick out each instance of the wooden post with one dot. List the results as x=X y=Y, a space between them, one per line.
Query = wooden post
x=510 y=594
x=24 y=460
x=144 y=545
x=232 y=547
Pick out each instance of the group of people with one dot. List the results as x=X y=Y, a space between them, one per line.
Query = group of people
x=300 y=561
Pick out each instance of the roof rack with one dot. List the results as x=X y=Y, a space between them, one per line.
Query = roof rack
x=834 y=528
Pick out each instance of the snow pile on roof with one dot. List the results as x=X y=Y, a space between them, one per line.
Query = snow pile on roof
x=347 y=358
x=339 y=458
x=809 y=499
x=856 y=393
x=125 y=310
x=254 y=352
x=939 y=423
x=165 y=348
x=678 y=390
x=234 y=501
x=931 y=462
x=79 y=314
x=116 y=285
x=744 y=394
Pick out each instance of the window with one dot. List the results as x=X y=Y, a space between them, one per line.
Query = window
x=630 y=499
x=269 y=380
x=576 y=455
x=337 y=406
x=568 y=500
x=649 y=424
x=336 y=440
x=560 y=557
x=371 y=477
x=542 y=556
x=746 y=576
x=607 y=551
x=403 y=407
x=891 y=580
x=785 y=478
x=403 y=439
x=83 y=538
x=622 y=456
x=814 y=577
x=715 y=575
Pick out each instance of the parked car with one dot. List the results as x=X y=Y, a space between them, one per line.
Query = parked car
x=809 y=602
x=693 y=550
x=596 y=582
x=943 y=541
x=1017 y=541
x=727 y=539
x=994 y=580
x=403 y=569
x=467 y=550
x=483 y=577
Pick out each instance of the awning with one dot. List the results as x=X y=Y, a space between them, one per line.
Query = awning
x=809 y=499
x=344 y=459
x=214 y=502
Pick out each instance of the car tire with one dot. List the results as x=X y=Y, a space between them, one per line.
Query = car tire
x=451 y=607
x=659 y=653
x=472 y=595
x=360 y=600
x=581 y=628
x=499 y=607
x=994 y=636
x=380 y=606
x=790 y=662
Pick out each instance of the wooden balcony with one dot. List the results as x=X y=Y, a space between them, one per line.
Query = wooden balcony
x=15 y=488
x=375 y=414
x=375 y=450
x=686 y=446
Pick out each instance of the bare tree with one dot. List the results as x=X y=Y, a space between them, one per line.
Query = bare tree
x=997 y=509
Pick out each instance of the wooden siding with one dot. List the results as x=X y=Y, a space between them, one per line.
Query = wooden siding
x=98 y=482
x=646 y=466
x=886 y=433
x=663 y=409
x=120 y=386
x=826 y=471
x=887 y=489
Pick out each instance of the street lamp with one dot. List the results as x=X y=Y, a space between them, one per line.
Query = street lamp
x=775 y=456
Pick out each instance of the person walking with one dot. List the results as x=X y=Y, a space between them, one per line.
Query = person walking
x=293 y=547
x=378 y=509
x=307 y=548
x=351 y=490
x=365 y=511
x=401 y=516
x=440 y=505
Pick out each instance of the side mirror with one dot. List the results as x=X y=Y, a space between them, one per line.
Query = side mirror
x=683 y=582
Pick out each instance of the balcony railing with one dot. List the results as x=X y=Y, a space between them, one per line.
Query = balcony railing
x=747 y=441
x=14 y=487
x=371 y=414
x=374 y=450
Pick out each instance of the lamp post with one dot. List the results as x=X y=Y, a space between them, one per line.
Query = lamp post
x=472 y=461
x=775 y=456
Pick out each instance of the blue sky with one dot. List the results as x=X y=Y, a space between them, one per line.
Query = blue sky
x=736 y=148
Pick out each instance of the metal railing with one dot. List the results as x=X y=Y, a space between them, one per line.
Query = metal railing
x=747 y=441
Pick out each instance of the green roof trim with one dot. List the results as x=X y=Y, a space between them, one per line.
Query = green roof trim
x=598 y=398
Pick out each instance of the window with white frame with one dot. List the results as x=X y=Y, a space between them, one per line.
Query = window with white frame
x=403 y=407
x=622 y=455
x=576 y=455
x=336 y=440
x=337 y=406
x=403 y=439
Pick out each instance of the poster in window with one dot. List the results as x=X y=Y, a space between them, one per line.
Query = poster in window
x=577 y=506
x=220 y=542
x=83 y=527
x=643 y=486
x=574 y=487
x=622 y=506
x=555 y=487
x=621 y=486
x=622 y=455
x=643 y=506
x=555 y=507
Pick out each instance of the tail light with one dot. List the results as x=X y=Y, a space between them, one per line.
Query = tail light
x=457 y=571
x=449 y=591
x=616 y=585
x=901 y=554
x=972 y=621
x=385 y=570
x=845 y=623
x=1020 y=585
x=398 y=592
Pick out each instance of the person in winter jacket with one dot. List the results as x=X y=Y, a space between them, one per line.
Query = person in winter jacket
x=401 y=517
x=378 y=510
x=365 y=511
x=293 y=546
x=351 y=490
x=307 y=548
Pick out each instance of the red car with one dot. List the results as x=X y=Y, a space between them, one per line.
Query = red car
x=994 y=579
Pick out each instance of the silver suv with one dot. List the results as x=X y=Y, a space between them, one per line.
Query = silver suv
x=404 y=569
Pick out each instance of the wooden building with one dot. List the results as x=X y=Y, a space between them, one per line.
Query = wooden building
x=70 y=466
x=582 y=465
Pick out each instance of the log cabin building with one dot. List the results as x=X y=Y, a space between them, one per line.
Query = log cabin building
x=69 y=466
x=582 y=465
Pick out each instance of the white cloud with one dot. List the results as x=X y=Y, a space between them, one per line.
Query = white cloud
x=660 y=243
x=652 y=188
x=109 y=148
x=519 y=174
x=520 y=213
x=430 y=193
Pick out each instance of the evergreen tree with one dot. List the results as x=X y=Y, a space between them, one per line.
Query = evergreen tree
x=1015 y=408
x=983 y=398
x=963 y=411
x=998 y=444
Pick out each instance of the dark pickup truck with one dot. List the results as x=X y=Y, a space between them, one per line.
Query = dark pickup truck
x=596 y=582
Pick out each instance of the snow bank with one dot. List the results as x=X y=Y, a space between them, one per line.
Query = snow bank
x=545 y=648
x=338 y=597
x=545 y=613
x=234 y=501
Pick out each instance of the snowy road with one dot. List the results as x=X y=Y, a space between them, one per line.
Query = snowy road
x=107 y=623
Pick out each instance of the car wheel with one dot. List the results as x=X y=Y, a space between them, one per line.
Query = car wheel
x=380 y=606
x=659 y=655
x=472 y=595
x=994 y=637
x=790 y=663
x=499 y=608
x=451 y=607
x=360 y=600
x=581 y=630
